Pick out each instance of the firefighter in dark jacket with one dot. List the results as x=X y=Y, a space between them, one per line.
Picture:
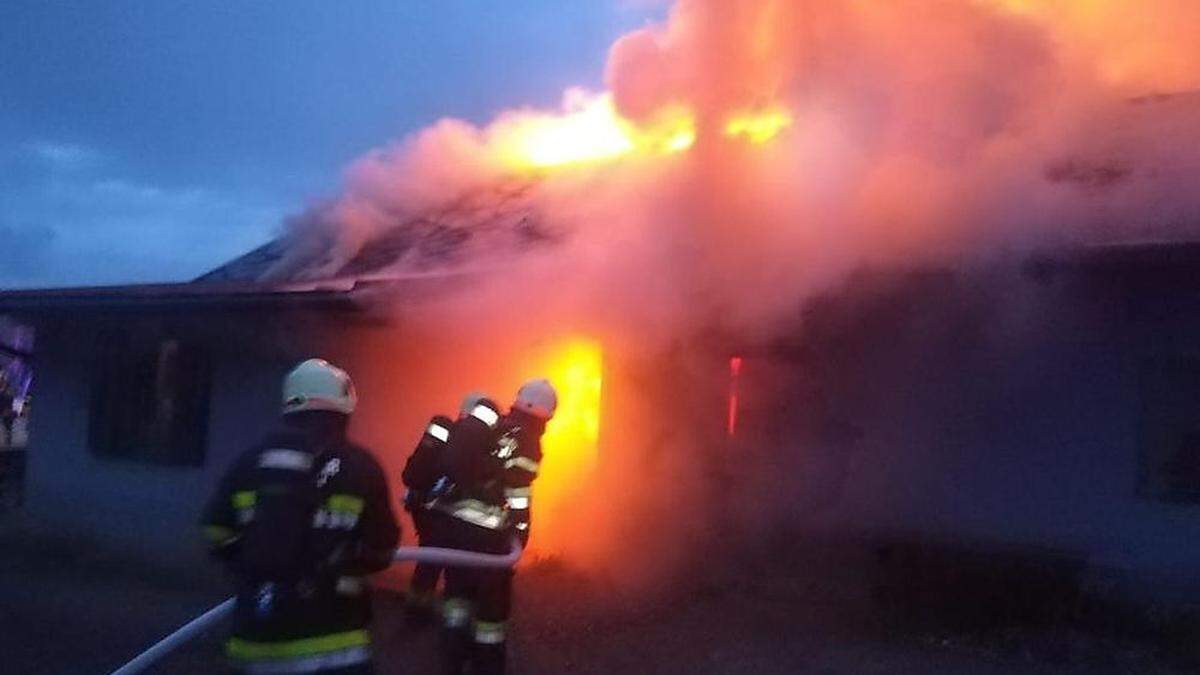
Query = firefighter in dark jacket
x=300 y=520
x=520 y=448
x=490 y=463
x=422 y=476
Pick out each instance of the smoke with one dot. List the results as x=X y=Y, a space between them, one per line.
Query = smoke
x=750 y=154
x=914 y=130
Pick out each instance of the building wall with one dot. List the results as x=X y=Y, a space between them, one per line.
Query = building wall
x=148 y=510
x=151 y=511
x=995 y=407
x=999 y=409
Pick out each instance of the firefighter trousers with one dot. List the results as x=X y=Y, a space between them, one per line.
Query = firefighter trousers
x=477 y=602
x=425 y=575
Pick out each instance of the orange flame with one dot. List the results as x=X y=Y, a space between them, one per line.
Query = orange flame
x=589 y=130
x=570 y=445
x=758 y=126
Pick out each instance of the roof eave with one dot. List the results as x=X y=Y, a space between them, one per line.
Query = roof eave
x=350 y=294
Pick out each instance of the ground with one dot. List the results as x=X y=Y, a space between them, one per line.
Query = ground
x=66 y=611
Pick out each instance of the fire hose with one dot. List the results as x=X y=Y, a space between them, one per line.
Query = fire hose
x=449 y=557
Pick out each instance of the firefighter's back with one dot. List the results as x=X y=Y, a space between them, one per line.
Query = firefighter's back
x=300 y=519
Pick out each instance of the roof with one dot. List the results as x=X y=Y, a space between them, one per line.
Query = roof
x=248 y=267
x=414 y=254
x=476 y=225
x=346 y=293
x=1175 y=263
x=1151 y=254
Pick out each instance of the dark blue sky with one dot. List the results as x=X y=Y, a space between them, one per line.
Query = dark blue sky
x=151 y=141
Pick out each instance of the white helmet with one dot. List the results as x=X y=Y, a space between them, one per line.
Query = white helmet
x=469 y=402
x=538 y=398
x=316 y=384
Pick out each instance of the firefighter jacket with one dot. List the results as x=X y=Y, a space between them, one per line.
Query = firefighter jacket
x=474 y=473
x=492 y=469
x=299 y=519
x=519 y=447
x=424 y=466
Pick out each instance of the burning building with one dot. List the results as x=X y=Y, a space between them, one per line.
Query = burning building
x=1048 y=404
x=804 y=268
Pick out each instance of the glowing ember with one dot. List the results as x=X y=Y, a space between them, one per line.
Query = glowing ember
x=758 y=127
x=570 y=444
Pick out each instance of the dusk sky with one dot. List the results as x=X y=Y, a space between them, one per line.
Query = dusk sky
x=151 y=141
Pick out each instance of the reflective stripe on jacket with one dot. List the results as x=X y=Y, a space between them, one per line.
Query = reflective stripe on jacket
x=305 y=655
x=476 y=512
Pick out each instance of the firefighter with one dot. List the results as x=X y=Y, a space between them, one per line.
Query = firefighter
x=421 y=475
x=484 y=509
x=520 y=447
x=299 y=520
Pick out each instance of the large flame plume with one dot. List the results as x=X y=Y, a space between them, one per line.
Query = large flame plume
x=570 y=446
x=747 y=154
x=588 y=130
